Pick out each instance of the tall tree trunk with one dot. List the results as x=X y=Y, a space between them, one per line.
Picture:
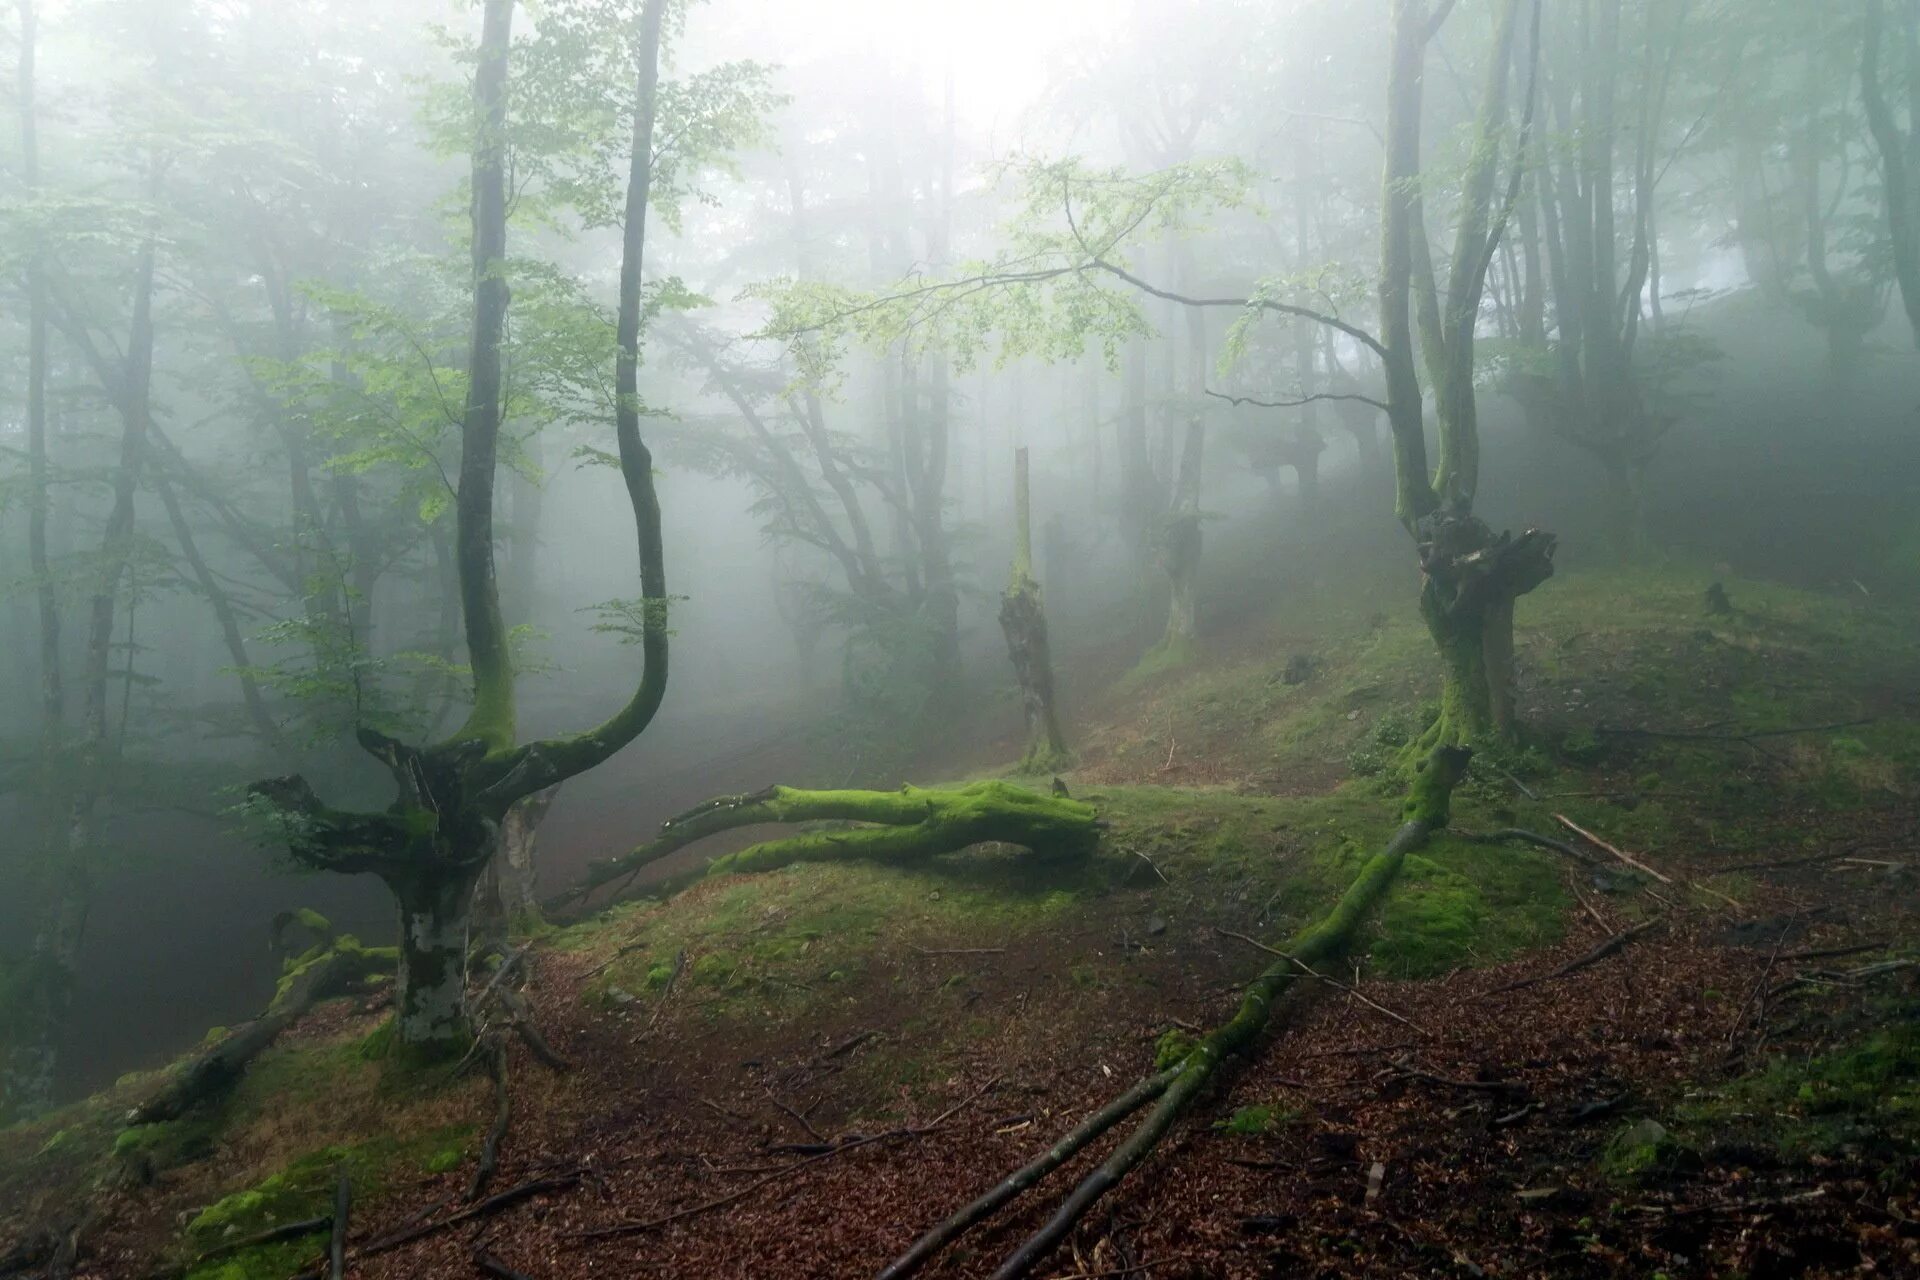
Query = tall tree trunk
x=1023 y=619
x=492 y=718
x=1182 y=540
x=1137 y=487
x=436 y=911
x=1899 y=181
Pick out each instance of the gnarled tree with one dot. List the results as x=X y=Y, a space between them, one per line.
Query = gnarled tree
x=432 y=843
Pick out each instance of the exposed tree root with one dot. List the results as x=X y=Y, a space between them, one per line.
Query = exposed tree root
x=497 y=1133
x=1179 y=1083
x=908 y=825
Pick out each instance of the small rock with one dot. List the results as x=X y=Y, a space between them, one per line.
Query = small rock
x=934 y=896
x=620 y=995
x=1353 y=715
x=1156 y=925
x=1645 y=1133
x=1536 y=1195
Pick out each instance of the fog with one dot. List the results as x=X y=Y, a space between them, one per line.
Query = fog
x=891 y=246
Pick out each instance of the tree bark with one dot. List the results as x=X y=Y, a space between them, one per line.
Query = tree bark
x=1898 y=187
x=1023 y=620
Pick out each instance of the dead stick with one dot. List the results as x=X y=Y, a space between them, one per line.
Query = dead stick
x=1406 y=1068
x=1598 y=843
x=1029 y=1174
x=799 y=1118
x=1520 y=786
x=491 y=1205
x=1336 y=984
x=1697 y=736
x=1612 y=944
x=961 y=951
x=1526 y=837
x=1828 y=953
x=502 y=1114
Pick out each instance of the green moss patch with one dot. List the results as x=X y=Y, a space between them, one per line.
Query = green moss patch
x=1461 y=904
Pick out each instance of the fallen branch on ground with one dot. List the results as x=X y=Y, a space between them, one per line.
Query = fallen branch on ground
x=502 y=1114
x=1335 y=983
x=1526 y=837
x=491 y=1205
x=908 y=825
x=1176 y=1087
x=1598 y=843
x=340 y=969
x=1401 y=1067
x=1698 y=735
x=1616 y=942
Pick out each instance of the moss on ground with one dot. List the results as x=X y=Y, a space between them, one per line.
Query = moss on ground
x=304 y=1190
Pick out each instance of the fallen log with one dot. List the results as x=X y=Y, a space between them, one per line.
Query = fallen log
x=339 y=969
x=1178 y=1083
x=907 y=825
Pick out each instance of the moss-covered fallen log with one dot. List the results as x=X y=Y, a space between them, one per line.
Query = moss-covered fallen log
x=336 y=967
x=1187 y=1065
x=908 y=825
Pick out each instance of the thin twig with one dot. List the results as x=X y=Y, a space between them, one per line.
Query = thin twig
x=1688 y=735
x=1335 y=983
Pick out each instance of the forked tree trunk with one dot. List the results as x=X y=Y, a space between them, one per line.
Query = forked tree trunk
x=1472 y=579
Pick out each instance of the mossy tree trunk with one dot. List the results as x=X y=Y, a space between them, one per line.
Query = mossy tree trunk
x=1471 y=579
x=432 y=844
x=1023 y=620
x=904 y=826
x=1470 y=576
x=1900 y=185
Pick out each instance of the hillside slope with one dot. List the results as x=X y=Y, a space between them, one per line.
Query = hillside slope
x=793 y=1073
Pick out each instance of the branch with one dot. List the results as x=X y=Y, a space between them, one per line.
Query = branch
x=1292 y=404
x=1265 y=304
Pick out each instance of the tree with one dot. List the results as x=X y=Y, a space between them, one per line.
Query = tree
x=1023 y=620
x=1899 y=149
x=444 y=826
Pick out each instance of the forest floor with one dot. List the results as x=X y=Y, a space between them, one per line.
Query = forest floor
x=793 y=1074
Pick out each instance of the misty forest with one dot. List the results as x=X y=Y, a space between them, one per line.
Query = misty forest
x=1165 y=639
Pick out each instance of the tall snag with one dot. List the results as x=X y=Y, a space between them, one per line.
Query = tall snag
x=431 y=845
x=1023 y=620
